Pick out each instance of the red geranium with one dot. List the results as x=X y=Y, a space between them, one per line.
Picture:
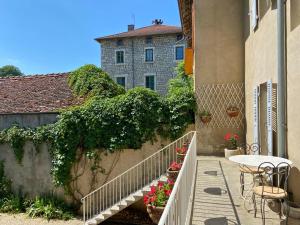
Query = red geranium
x=175 y=166
x=158 y=195
x=231 y=140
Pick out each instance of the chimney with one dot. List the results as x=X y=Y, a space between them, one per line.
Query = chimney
x=130 y=27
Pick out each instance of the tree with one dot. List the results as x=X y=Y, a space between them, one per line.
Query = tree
x=9 y=71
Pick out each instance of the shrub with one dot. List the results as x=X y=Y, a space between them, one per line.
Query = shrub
x=49 y=207
x=90 y=80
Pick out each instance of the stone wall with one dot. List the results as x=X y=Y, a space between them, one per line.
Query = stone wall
x=135 y=67
x=27 y=119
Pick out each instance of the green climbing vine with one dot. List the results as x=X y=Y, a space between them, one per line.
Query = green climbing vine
x=109 y=120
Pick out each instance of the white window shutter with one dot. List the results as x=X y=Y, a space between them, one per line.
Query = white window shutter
x=254 y=14
x=269 y=118
x=255 y=116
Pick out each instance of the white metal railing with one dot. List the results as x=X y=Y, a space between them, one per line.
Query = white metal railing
x=132 y=180
x=179 y=206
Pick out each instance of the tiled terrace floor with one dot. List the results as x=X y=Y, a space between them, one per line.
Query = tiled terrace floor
x=217 y=197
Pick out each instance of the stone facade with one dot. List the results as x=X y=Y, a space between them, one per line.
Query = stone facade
x=134 y=67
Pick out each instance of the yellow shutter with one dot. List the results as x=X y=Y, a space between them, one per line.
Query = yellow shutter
x=188 y=61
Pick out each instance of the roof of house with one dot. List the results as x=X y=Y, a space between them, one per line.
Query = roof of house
x=37 y=93
x=156 y=29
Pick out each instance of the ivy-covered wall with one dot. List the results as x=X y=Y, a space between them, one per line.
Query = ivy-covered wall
x=33 y=176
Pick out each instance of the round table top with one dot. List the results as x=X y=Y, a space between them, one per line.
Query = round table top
x=257 y=160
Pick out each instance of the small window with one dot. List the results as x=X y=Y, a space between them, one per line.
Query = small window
x=120 y=42
x=149 y=55
x=179 y=37
x=150 y=82
x=121 y=81
x=179 y=53
x=149 y=40
x=119 y=57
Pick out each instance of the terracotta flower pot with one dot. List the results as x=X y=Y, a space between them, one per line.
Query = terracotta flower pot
x=233 y=112
x=180 y=157
x=155 y=213
x=172 y=174
x=205 y=119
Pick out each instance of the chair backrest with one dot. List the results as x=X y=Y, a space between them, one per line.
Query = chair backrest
x=254 y=149
x=277 y=175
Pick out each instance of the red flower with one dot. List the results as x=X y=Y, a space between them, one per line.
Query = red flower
x=236 y=136
x=160 y=184
x=170 y=182
x=152 y=190
x=146 y=199
x=168 y=192
x=175 y=166
x=227 y=136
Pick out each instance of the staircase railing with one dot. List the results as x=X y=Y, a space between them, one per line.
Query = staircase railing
x=132 y=180
x=179 y=206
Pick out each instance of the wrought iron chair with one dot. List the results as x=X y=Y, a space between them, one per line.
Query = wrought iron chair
x=273 y=185
x=253 y=149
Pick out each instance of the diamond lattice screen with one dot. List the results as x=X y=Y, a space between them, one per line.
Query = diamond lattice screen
x=216 y=98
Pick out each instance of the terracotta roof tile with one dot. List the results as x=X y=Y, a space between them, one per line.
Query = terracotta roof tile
x=145 y=31
x=36 y=93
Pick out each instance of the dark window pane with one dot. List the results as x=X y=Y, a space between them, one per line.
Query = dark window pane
x=149 y=55
x=120 y=56
x=179 y=53
x=121 y=81
x=150 y=82
x=120 y=42
x=179 y=37
x=148 y=40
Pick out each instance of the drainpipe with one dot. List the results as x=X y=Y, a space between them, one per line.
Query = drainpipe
x=281 y=73
x=132 y=66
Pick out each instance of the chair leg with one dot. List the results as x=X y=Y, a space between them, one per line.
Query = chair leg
x=242 y=183
x=287 y=212
x=254 y=204
x=263 y=215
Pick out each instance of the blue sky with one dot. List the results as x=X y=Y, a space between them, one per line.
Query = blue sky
x=49 y=36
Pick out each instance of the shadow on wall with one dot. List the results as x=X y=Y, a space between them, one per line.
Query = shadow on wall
x=295 y=14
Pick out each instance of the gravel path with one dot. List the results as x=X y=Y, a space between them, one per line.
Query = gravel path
x=23 y=219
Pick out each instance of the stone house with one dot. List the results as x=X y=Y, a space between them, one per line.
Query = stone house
x=247 y=52
x=143 y=57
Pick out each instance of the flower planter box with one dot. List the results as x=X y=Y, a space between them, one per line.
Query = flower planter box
x=180 y=157
x=205 y=119
x=233 y=112
x=232 y=152
x=155 y=213
x=172 y=174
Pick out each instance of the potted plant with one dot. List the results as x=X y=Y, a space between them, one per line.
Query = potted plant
x=157 y=198
x=181 y=152
x=231 y=142
x=205 y=116
x=173 y=170
x=233 y=111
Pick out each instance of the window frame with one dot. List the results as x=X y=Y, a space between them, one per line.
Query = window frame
x=175 y=47
x=150 y=75
x=116 y=60
x=121 y=76
x=147 y=39
x=153 y=55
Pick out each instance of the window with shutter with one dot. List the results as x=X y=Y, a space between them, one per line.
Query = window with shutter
x=269 y=117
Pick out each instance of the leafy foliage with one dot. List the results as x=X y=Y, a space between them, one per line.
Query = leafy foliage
x=10 y=70
x=5 y=184
x=49 y=207
x=91 y=80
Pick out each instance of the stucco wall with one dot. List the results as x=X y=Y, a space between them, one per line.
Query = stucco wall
x=219 y=57
x=27 y=119
x=32 y=177
x=135 y=66
x=261 y=65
